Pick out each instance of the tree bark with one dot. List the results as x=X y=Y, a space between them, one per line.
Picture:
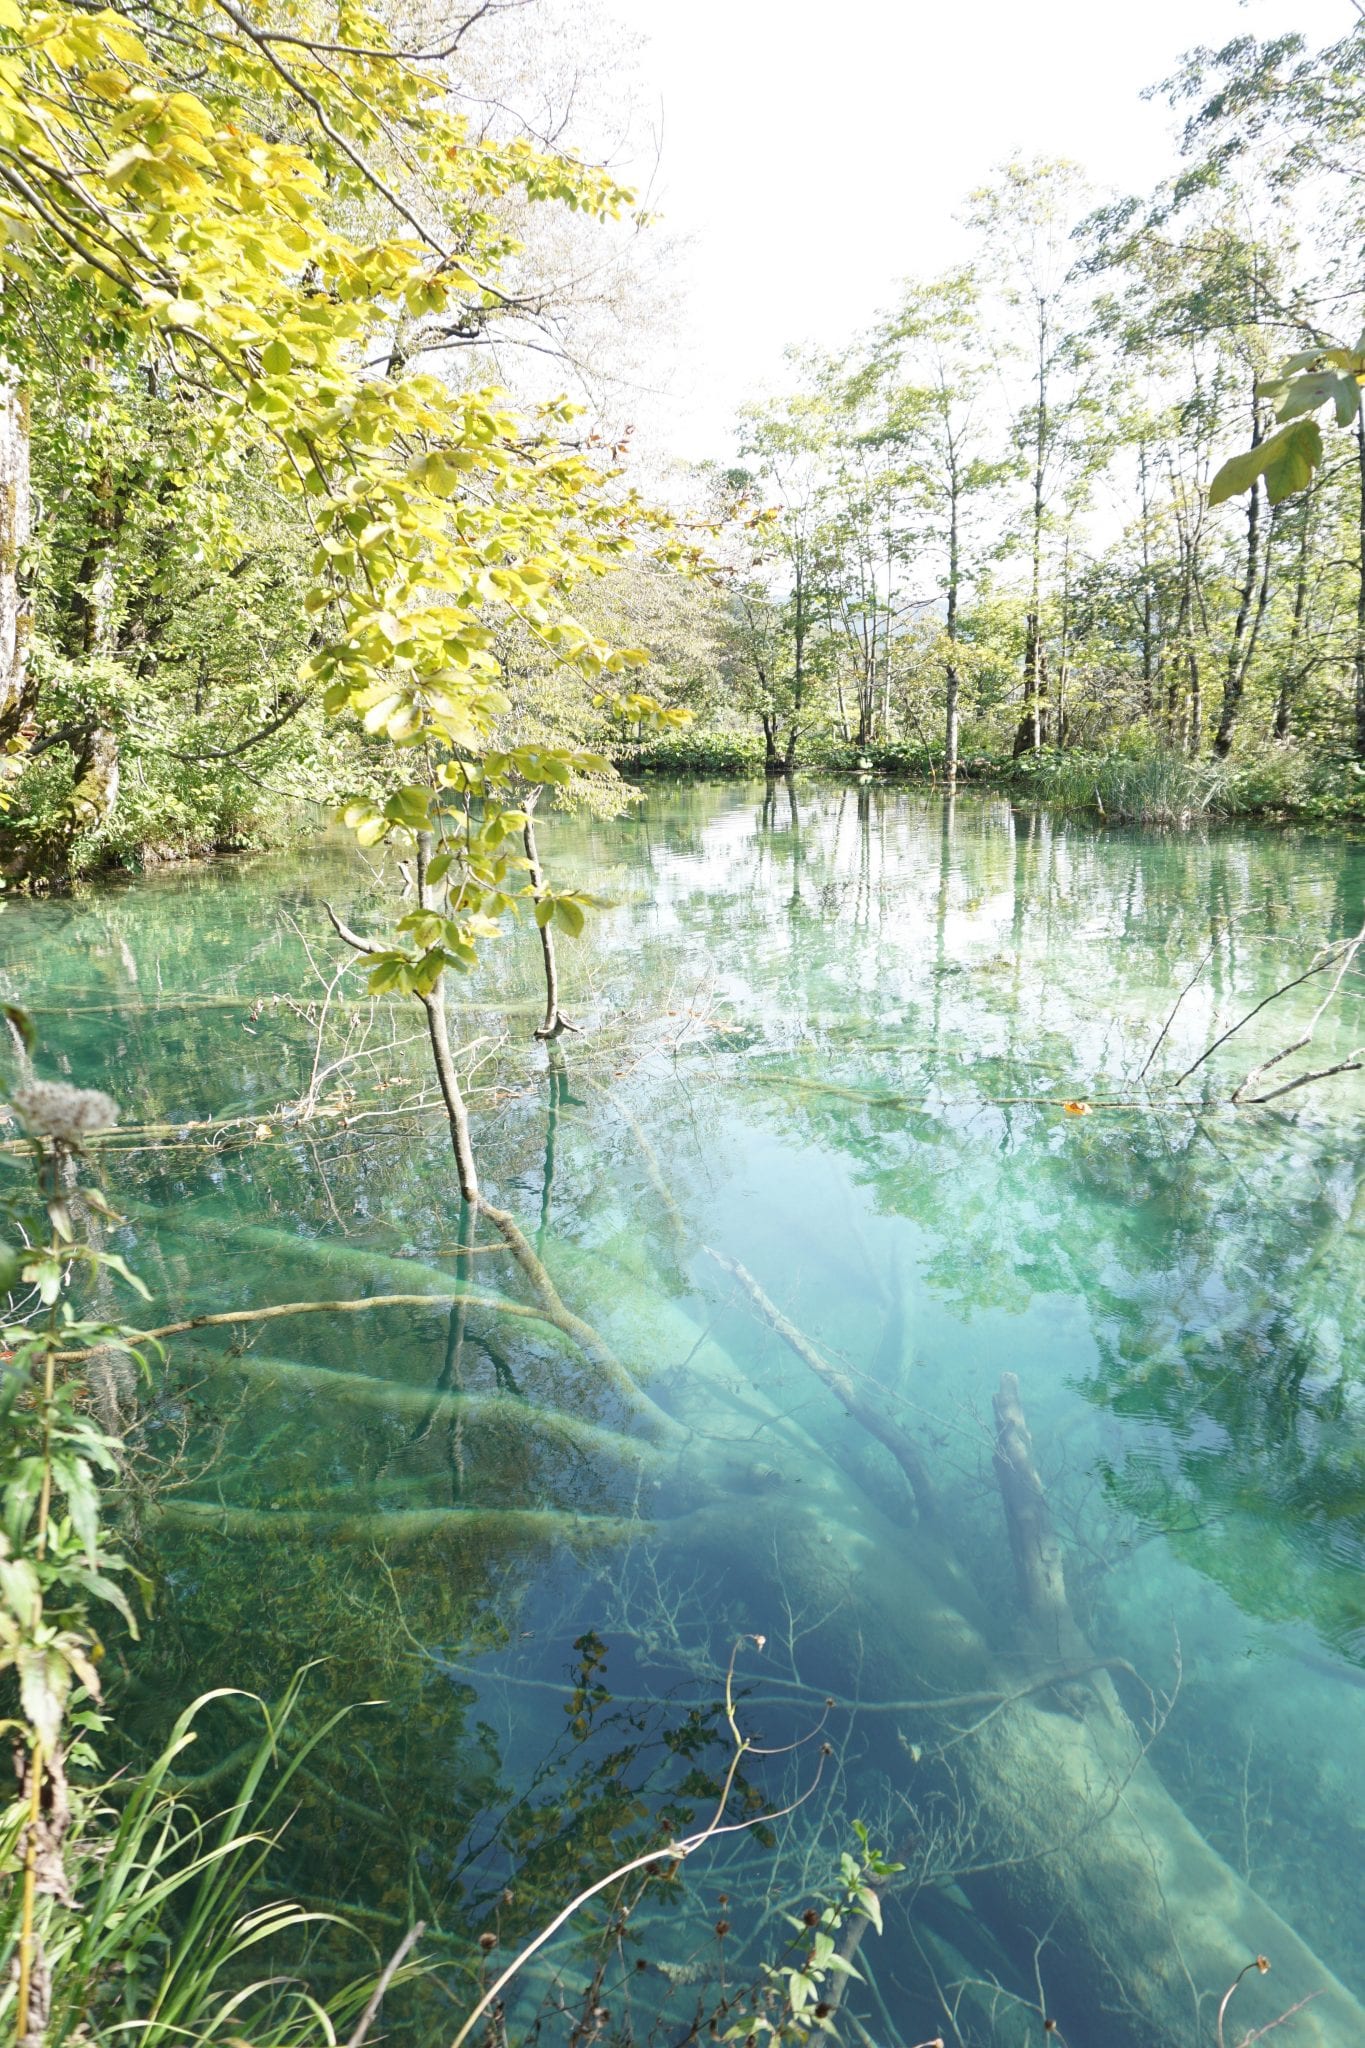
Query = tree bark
x=950 y=680
x=1240 y=648
x=1029 y=736
x=97 y=775
x=16 y=688
x=1358 y=666
x=1291 y=674
x=555 y=1022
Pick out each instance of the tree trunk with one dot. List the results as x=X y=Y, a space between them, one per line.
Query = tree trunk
x=1063 y=656
x=1290 y=675
x=1196 y=706
x=1359 y=662
x=1149 y=656
x=1239 y=655
x=1068 y=1826
x=97 y=775
x=16 y=687
x=951 y=681
x=1029 y=736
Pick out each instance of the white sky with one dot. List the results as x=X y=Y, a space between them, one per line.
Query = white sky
x=814 y=154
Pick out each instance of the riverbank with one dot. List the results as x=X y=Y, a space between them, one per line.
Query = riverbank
x=1284 y=787
x=1145 y=788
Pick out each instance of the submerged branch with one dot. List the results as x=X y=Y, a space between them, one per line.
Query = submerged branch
x=568 y=1324
x=399 y=1525
x=863 y=1410
x=1034 y=1546
x=224 y=1318
x=1351 y=1061
x=396 y=1397
x=1319 y=966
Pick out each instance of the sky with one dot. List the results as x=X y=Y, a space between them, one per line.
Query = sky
x=814 y=152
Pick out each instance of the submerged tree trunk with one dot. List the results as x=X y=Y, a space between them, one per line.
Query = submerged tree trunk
x=1061 y=1823
x=1069 y=1826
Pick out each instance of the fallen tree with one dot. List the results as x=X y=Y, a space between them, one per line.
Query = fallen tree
x=1069 y=1825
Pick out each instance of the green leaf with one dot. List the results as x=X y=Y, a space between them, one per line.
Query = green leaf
x=1285 y=459
x=871 y=1905
x=276 y=357
x=1306 y=394
x=82 y=1502
x=392 y=974
x=105 y=1588
x=19 y=1587
x=410 y=806
x=115 y=1265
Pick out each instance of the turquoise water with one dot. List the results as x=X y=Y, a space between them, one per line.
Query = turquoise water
x=831 y=1035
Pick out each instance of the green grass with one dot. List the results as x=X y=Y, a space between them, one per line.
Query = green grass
x=169 y=1934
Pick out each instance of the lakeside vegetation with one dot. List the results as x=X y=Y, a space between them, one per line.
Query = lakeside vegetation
x=985 y=531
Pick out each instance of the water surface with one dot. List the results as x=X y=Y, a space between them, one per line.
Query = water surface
x=897 y=1061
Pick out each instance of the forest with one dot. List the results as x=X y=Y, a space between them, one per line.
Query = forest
x=980 y=540
x=680 y=1136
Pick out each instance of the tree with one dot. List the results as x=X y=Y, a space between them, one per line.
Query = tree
x=1294 y=121
x=1026 y=219
x=933 y=351
x=787 y=442
x=256 y=285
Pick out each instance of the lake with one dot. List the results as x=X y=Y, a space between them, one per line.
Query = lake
x=874 y=1099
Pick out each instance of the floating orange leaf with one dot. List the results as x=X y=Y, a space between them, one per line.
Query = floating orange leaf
x=1076 y=1108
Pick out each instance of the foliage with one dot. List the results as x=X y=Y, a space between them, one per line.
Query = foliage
x=158 y=1927
x=694 y=753
x=121 y=1907
x=1288 y=457
x=793 y=2002
x=239 y=219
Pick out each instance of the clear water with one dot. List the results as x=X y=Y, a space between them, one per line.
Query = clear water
x=838 y=1030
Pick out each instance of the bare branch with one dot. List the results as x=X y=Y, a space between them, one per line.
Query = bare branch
x=386 y=1977
x=1318 y=967
x=1343 y=963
